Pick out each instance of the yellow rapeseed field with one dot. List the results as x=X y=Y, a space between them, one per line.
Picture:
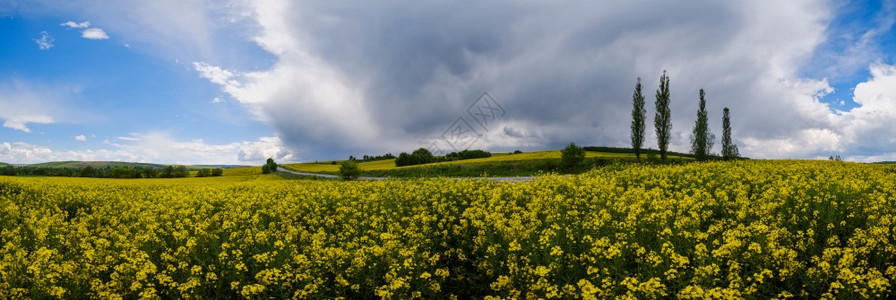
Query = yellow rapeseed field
x=746 y=229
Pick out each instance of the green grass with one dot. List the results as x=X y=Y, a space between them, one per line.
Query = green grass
x=500 y=164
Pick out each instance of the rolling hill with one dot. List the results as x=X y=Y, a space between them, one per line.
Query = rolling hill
x=499 y=164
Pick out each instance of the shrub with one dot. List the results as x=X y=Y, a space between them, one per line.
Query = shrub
x=272 y=165
x=204 y=173
x=467 y=154
x=419 y=156
x=572 y=156
x=349 y=170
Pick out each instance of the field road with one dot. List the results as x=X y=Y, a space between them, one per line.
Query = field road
x=509 y=178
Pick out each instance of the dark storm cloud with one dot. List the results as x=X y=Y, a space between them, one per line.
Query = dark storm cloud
x=550 y=66
x=564 y=72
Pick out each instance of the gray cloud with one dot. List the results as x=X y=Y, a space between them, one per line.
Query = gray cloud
x=402 y=72
x=362 y=78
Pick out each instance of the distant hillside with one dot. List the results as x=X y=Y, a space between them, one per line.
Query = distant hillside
x=218 y=166
x=95 y=164
x=116 y=164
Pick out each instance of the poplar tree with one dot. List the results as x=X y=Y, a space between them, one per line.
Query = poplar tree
x=638 y=113
x=702 y=139
x=663 y=118
x=729 y=149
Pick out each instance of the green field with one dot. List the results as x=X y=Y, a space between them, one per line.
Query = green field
x=499 y=164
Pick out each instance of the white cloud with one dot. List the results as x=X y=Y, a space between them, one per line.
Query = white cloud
x=868 y=129
x=19 y=122
x=864 y=133
x=81 y=138
x=23 y=102
x=94 y=34
x=156 y=148
x=73 y=24
x=216 y=75
x=45 y=41
x=128 y=138
x=217 y=100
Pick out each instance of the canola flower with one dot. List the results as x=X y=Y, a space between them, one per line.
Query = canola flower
x=746 y=229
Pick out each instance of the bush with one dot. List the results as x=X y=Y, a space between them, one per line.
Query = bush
x=386 y=156
x=217 y=172
x=349 y=170
x=272 y=166
x=467 y=154
x=121 y=173
x=572 y=156
x=266 y=169
x=418 y=157
x=204 y=173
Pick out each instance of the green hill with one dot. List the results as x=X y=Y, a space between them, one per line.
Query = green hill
x=117 y=164
x=94 y=164
x=499 y=164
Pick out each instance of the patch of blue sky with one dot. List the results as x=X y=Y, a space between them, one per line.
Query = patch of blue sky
x=115 y=88
x=859 y=35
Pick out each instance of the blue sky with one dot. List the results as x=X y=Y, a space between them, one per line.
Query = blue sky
x=235 y=82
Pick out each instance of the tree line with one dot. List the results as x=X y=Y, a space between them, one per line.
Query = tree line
x=702 y=139
x=109 y=172
x=423 y=156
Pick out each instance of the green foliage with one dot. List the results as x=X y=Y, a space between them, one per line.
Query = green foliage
x=467 y=154
x=204 y=173
x=572 y=157
x=418 y=157
x=104 y=170
x=349 y=170
x=702 y=139
x=266 y=169
x=272 y=166
x=175 y=172
x=729 y=149
x=88 y=171
x=386 y=156
x=638 y=115
x=662 y=121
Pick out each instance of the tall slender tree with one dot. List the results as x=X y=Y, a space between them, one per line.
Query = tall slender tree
x=663 y=118
x=702 y=139
x=638 y=113
x=729 y=149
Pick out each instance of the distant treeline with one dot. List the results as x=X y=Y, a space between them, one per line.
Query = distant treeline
x=423 y=156
x=109 y=172
x=367 y=158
